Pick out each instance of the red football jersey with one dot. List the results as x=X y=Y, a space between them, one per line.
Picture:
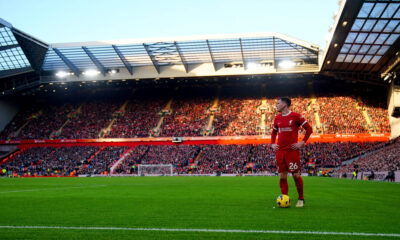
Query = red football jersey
x=288 y=127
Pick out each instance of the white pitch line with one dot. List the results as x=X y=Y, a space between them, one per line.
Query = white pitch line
x=45 y=189
x=207 y=230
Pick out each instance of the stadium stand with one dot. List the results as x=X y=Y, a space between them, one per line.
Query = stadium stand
x=384 y=159
x=341 y=117
x=236 y=114
x=194 y=159
x=236 y=117
x=93 y=117
x=64 y=161
x=139 y=117
x=50 y=161
x=188 y=117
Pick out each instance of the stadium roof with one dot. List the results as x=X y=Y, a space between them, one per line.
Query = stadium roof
x=364 y=46
x=365 y=38
x=245 y=49
x=19 y=52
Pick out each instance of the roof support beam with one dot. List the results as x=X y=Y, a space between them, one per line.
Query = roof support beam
x=70 y=65
x=273 y=52
x=123 y=59
x=241 y=51
x=211 y=55
x=180 y=55
x=95 y=61
x=153 y=60
x=301 y=52
x=2 y=48
x=388 y=68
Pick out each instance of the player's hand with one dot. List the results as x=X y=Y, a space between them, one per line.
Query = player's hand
x=298 y=145
x=275 y=147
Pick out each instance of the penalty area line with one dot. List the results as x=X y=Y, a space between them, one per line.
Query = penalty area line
x=206 y=230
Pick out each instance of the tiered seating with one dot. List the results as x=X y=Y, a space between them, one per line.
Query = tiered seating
x=188 y=118
x=195 y=159
x=384 y=159
x=379 y=115
x=332 y=154
x=237 y=117
x=139 y=117
x=44 y=125
x=23 y=116
x=222 y=158
x=102 y=162
x=48 y=161
x=94 y=116
x=129 y=164
x=339 y=115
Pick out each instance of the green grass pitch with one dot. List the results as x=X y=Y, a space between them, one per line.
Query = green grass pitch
x=239 y=203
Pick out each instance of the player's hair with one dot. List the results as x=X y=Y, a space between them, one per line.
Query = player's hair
x=286 y=100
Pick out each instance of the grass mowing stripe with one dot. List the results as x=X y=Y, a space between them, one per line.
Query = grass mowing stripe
x=208 y=230
x=45 y=189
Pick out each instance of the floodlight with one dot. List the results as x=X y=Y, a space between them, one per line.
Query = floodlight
x=62 y=74
x=91 y=72
x=286 y=64
x=252 y=65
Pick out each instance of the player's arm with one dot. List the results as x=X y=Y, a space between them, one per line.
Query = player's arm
x=309 y=131
x=304 y=124
x=274 y=146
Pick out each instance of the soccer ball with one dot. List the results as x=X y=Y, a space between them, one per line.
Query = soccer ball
x=283 y=201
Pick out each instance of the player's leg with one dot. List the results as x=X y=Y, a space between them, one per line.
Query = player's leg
x=283 y=184
x=282 y=169
x=294 y=167
x=299 y=186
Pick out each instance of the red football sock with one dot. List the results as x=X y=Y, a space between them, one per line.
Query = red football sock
x=284 y=186
x=299 y=186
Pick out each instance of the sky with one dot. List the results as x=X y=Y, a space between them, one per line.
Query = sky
x=56 y=21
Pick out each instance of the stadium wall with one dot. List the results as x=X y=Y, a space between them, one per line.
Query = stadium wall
x=394 y=100
x=7 y=112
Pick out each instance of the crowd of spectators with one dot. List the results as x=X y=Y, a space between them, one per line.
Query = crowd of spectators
x=270 y=113
x=103 y=160
x=197 y=159
x=51 y=119
x=386 y=158
x=236 y=116
x=22 y=117
x=131 y=161
x=245 y=118
x=333 y=154
x=338 y=114
x=93 y=117
x=180 y=156
x=139 y=117
x=222 y=158
x=378 y=114
x=188 y=117
x=263 y=157
x=46 y=161
x=64 y=161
